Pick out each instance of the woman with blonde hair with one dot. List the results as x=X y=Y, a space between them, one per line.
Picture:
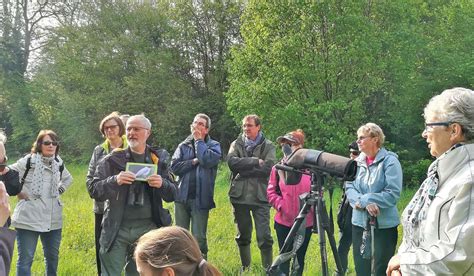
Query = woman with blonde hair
x=374 y=195
x=171 y=251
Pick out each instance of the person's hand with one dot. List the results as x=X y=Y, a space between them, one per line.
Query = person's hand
x=4 y=170
x=4 y=205
x=22 y=195
x=261 y=162
x=373 y=209
x=197 y=133
x=155 y=181
x=125 y=178
x=195 y=161
x=393 y=268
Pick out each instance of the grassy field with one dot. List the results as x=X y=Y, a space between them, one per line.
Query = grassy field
x=77 y=253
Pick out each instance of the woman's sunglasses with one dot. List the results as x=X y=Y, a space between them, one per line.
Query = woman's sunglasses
x=47 y=143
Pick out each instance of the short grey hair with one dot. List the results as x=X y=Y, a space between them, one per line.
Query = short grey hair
x=205 y=117
x=142 y=118
x=454 y=105
x=373 y=130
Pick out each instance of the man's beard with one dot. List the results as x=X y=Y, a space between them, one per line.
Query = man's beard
x=133 y=143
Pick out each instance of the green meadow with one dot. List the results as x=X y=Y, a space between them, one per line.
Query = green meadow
x=77 y=253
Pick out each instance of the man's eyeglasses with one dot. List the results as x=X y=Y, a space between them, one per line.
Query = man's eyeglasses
x=199 y=123
x=429 y=126
x=47 y=143
x=135 y=128
x=248 y=125
x=107 y=128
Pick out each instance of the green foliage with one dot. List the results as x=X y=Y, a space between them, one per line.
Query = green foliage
x=328 y=67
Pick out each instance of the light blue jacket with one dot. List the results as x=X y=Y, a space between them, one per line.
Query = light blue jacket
x=379 y=183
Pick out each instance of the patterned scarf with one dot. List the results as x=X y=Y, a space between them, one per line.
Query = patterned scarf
x=42 y=164
x=417 y=209
x=251 y=144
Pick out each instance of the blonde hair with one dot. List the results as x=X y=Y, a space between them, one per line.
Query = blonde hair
x=373 y=130
x=173 y=247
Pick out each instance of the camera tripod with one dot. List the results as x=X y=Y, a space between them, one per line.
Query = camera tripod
x=321 y=223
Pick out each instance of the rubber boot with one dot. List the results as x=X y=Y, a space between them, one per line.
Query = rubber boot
x=245 y=256
x=267 y=257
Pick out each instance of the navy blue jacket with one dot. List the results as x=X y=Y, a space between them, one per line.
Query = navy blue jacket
x=208 y=153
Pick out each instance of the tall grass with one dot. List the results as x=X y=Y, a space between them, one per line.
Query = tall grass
x=77 y=252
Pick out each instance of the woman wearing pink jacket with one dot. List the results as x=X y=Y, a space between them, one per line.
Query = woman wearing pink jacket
x=284 y=197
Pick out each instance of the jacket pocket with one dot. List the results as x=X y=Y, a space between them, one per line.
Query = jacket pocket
x=262 y=191
x=165 y=217
x=236 y=188
x=443 y=218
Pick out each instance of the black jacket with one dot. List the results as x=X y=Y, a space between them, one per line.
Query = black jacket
x=12 y=182
x=105 y=187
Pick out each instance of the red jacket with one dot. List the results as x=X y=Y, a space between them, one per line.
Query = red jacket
x=287 y=204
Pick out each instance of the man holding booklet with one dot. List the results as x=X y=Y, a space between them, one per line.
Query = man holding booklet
x=134 y=205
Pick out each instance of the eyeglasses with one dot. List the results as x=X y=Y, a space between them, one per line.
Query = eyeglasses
x=429 y=126
x=199 y=123
x=136 y=129
x=360 y=138
x=107 y=128
x=248 y=125
x=47 y=143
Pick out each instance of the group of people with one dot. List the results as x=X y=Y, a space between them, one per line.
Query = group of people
x=133 y=232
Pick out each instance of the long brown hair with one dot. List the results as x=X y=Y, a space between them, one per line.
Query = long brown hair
x=173 y=247
x=36 y=148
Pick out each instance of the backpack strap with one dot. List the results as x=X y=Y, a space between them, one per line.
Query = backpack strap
x=28 y=167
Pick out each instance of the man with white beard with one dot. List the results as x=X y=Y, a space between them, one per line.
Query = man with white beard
x=133 y=207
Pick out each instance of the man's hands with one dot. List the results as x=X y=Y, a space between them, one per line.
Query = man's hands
x=155 y=181
x=127 y=178
x=4 y=205
x=197 y=133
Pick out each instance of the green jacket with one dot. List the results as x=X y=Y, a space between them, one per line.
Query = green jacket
x=249 y=181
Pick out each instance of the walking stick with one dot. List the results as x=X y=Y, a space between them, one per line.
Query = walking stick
x=372 y=222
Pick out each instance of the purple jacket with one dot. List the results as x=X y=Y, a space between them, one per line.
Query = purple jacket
x=287 y=204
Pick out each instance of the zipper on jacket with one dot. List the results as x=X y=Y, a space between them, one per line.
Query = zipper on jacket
x=117 y=198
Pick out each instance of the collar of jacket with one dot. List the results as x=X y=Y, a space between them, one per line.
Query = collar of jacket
x=381 y=155
x=450 y=162
x=241 y=139
x=121 y=156
x=106 y=144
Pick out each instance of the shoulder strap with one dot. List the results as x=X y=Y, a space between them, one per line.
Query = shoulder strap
x=27 y=169
x=262 y=148
x=61 y=169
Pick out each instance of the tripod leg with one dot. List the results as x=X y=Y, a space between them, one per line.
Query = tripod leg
x=318 y=210
x=287 y=245
x=332 y=240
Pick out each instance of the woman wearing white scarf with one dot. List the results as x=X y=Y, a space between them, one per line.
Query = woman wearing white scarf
x=39 y=211
x=438 y=223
